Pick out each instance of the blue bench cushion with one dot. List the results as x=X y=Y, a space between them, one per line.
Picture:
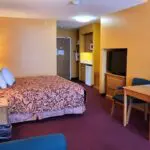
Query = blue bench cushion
x=140 y=81
x=120 y=98
x=49 y=142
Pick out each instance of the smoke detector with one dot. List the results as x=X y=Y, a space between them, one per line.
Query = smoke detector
x=75 y=2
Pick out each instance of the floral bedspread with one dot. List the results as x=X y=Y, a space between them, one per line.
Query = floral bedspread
x=43 y=94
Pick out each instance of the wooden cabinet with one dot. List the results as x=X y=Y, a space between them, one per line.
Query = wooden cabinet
x=82 y=72
x=3 y=111
x=112 y=82
x=5 y=126
x=88 y=39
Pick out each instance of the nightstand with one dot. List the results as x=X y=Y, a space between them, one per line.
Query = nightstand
x=5 y=126
x=3 y=111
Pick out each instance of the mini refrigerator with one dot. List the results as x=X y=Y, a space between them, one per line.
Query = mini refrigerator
x=89 y=79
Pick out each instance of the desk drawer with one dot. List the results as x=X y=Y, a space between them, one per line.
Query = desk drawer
x=113 y=82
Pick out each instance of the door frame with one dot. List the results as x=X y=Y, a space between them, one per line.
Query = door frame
x=63 y=37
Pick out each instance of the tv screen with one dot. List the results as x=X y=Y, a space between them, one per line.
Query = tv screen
x=117 y=61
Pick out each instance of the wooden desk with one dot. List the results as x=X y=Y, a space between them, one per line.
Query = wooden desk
x=141 y=92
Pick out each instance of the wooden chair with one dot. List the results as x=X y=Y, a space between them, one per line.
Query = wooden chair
x=119 y=98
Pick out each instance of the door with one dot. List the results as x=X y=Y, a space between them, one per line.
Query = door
x=63 y=57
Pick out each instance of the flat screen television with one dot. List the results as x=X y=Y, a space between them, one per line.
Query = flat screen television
x=117 y=61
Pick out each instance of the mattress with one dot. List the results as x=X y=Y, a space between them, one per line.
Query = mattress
x=32 y=98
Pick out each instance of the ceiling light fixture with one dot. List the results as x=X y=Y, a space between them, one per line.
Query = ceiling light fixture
x=75 y=2
x=84 y=19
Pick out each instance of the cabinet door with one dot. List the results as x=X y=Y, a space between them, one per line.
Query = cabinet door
x=83 y=72
x=112 y=82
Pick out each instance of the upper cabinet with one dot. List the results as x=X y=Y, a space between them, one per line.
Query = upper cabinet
x=88 y=42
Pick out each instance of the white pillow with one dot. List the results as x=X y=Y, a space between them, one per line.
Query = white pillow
x=3 y=84
x=8 y=76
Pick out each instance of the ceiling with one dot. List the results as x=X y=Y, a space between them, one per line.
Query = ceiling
x=61 y=10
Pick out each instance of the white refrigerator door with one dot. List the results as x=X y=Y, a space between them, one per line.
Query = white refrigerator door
x=89 y=75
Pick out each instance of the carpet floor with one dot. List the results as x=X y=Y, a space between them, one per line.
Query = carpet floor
x=95 y=130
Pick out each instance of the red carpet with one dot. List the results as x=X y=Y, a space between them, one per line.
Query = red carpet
x=95 y=130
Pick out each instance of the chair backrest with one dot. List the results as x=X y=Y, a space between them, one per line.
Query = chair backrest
x=140 y=81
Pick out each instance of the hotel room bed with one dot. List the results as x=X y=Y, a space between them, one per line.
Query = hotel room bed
x=33 y=98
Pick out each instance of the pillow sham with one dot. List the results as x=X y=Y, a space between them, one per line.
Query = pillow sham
x=8 y=76
x=3 y=84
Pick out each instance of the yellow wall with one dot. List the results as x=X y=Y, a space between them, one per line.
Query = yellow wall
x=86 y=57
x=86 y=29
x=96 y=43
x=28 y=47
x=129 y=29
x=73 y=35
x=95 y=28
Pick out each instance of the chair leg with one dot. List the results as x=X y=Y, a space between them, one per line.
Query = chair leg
x=113 y=108
x=129 y=111
x=145 y=111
